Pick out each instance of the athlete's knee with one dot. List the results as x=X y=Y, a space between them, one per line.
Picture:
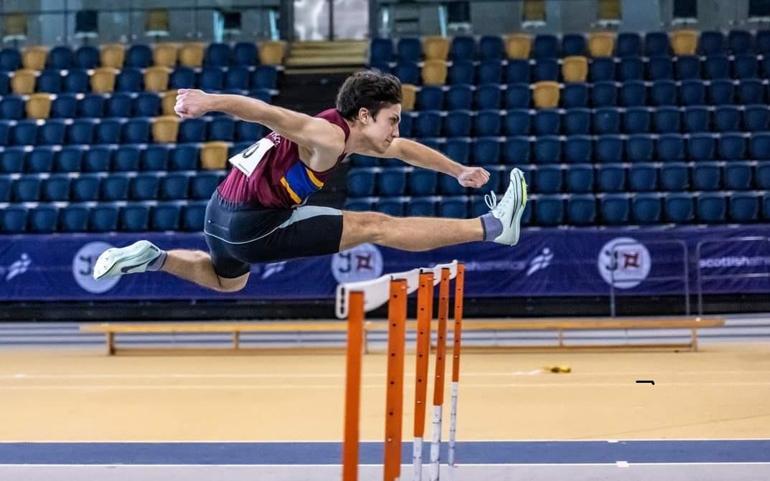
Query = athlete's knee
x=376 y=226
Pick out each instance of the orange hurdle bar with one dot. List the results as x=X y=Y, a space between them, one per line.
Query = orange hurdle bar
x=424 y=317
x=353 y=387
x=395 y=389
x=459 y=292
x=438 y=388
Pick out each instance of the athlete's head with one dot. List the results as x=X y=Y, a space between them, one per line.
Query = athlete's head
x=372 y=100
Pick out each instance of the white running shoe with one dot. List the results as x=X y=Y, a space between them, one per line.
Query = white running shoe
x=509 y=208
x=125 y=260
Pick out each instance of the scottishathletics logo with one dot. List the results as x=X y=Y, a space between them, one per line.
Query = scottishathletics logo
x=624 y=262
x=360 y=263
x=83 y=268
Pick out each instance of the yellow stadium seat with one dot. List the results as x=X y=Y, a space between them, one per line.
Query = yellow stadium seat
x=272 y=53
x=23 y=81
x=434 y=72
x=518 y=45
x=214 y=155
x=575 y=69
x=103 y=80
x=165 y=129
x=435 y=47
x=156 y=23
x=39 y=106
x=534 y=10
x=684 y=42
x=33 y=57
x=165 y=54
x=112 y=55
x=156 y=79
x=168 y=100
x=408 y=96
x=14 y=27
x=191 y=54
x=546 y=95
x=601 y=44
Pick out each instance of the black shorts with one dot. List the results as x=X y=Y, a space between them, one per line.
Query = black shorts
x=240 y=235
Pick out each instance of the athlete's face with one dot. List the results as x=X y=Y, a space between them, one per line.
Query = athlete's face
x=381 y=131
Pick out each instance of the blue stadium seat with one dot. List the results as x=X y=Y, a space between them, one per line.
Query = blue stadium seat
x=549 y=210
x=145 y=187
x=488 y=97
x=12 y=160
x=760 y=146
x=637 y=120
x=697 y=119
x=660 y=68
x=579 y=178
x=577 y=149
x=119 y=105
x=745 y=67
x=456 y=124
x=447 y=185
x=733 y=147
x=52 y=132
x=81 y=132
x=628 y=45
x=687 y=67
x=147 y=104
x=155 y=157
x=77 y=81
x=712 y=207
x=392 y=182
x=108 y=131
x=13 y=219
x=547 y=122
x=609 y=149
x=602 y=69
x=64 y=106
x=130 y=80
x=491 y=47
x=721 y=92
x=573 y=44
x=174 y=186
x=707 y=176
x=24 y=133
x=674 y=176
x=458 y=150
x=671 y=147
x=547 y=149
x=103 y=218
x=43 y=219
x=744 y=207
x=581 y=209
x=184 y=157
x=56 y=188
x=459 y=97
x=606 y=121
x=69 y=158
x=221 y=128
x=137 y=130
x=461 y=72
x=549 y=179
x=740 y=42
x=679 y=208
x=265 y=77
x=165 y=217
x=97 y=159
x=640 y=148
x=409 y=49
x=407 y=72
x=716 y=67
x=12 y=107
x=359 y=205
x=692 y=92
x=517 y=151
x=250 y=131
x=114 y=187
x=486 y=151
x=463 y=47
x=643 y=177
x=430 y=97
x=193 y=214
x=138 y=56
x=633 y=94
x=630 y=68
x=490 y=72
x=91 y=106
x=711 y=43
x=40 y=160
x=486 y=123
x=423 y=182
x=763 y=41
x=203 y=184
x=656 y=44
x=545 y=46
x=518 y=71
x=192 y=130
x=453 y=207
x=49 y=81
x=701 y=147
x=574 y=95
x=667 y=119
x=73 y=218
x=86 y=57
x=751 y=92
x=182 y=78
x=126 y=158
x=604 y=94
x=663 y=92
x=762 y=176
x=380 y=50
x=237 y=79
x=217 y=55
x=245 y=53
x=10 y=60
x=26 y=189
x=756 y=117
x=361 y=182
x=85 y=188
x=5 y=83
x=393 y=206
x=738 y=175
x=422 y=207
x=546 y=69
x=518 y=96
x=577 y=121
x=727 y=119
x=646 y=208
x=614 y=208
x=5 y=188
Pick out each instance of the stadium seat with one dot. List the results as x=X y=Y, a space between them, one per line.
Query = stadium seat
x=458 y=150
x=430 y=98
x=687 y=67
x=380 y=50
x=684 y=42
x=12 y=107
x=237 y=79
x=193 y=214
x=250 y=131
x=91 y=106
x=13 y=219
x=573 y=44
x=656 y=44
x=12 y=160
x=578 y=149
x=462 y=48
x=52 y=132
x=614 y=208
x=727 y=119
x=108 y=131
x=64 y=106
x=145 y=187
x=192 y=130
x=456 y=124
x=245 y=53
x=174 y=187
x=518 y=96
x=86 y=57
x=671 y=147
x=422 y=182
x=265 y=77
x=409 y=49
x=103 y=218
x=763 y=41
x=518 y=71
x=646 y=209
x=114 y=188
x=43 y=219
x=663 y=93
x=49 y=81
x=518 y=46
x=488 y=97
x=633 y=94
x=545 y=46
x=733 y=147
x=126 y=158
x=579 y=178
x=716 y=67
x=422 y=207
x=547 y=150
x=674 y=176
x=712 y=207
x=487 y=123
x=165 y=217
x=679 y=208
x=640 y=148
x=490 y=72
x=222 y=129
x=609 y=149
x=660 y=68
x=575 y=95
x=10 y=60
x=745 y=67
x=407 y=72
x=721 y=92
x=740 y=42
x=751 y=91
x=184 y=157
x=129 y=80
x=203 y=184
x=85 y=188
x=762 y=176
x=630 y=68
x=147 y=104
x=97 y=159
x=637 y=120
x=119 y=105
x=455 y=207
x=577 y=121
x=549 y=210
x=692 y=92
x=642 y=177
x=546 y=69
x=549 y=179
x=217 y=55
x=73 y=218
x=155 y=157
x=738 y=175
x=491 y=47
x=707 y=176
x=574 y=69
x=756 y=117
x=40 y=160
x=68 y=159
x=182 y=78
x=604 y=94
x=459 y=97
x=606 y=121
x=517 y=151
x=26 y=189
x=628 y=45
x=547 y=122
x=24 y=133
x=711 y=43
x=581 y=209
x=77 y=81
x=701 y=147
x=602 y=70
x=744 y=207
x=667 y=119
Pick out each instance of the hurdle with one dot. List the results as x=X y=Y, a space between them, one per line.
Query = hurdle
x=354 y=300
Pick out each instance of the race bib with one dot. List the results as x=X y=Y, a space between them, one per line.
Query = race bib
x=248 y=160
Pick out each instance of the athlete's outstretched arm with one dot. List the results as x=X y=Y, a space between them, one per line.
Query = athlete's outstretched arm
x=419 y=155
x=303 y=129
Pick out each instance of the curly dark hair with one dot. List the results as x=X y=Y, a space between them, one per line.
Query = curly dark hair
x=369 y=89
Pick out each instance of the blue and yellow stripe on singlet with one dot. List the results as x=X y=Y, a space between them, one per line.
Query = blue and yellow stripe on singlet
x=300 y=182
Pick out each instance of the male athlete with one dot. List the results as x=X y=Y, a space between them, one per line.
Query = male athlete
x=257 y=212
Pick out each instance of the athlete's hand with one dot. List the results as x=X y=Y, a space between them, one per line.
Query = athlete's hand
x=191 y=103
x=473 y=177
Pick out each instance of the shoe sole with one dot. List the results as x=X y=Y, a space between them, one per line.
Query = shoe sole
x=107 y=262
x=520 y=210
